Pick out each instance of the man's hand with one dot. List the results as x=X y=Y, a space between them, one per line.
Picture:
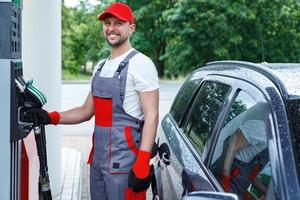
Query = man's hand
x=44 y=117
x=139 y=176
x=225 y=182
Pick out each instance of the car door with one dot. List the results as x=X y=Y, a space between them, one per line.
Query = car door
x=239 y=156
x=188 y=136
x=168 y=172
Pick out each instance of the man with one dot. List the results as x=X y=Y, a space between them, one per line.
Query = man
x=124 y=99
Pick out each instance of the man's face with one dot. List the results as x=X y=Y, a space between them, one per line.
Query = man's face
x=116 y=32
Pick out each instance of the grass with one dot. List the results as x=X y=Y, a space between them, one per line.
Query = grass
x=67 y=76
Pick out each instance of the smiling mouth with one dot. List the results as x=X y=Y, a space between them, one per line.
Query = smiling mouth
x=112 y=36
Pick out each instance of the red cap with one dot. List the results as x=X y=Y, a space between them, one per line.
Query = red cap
x=120 y=10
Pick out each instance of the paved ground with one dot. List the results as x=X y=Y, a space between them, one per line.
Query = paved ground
x=83 y=145
x=78 y=137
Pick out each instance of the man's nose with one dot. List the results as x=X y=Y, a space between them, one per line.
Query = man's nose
x=111 y=27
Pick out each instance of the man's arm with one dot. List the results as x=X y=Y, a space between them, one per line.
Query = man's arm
x=149 y=102
x=139 y=176
x=78 y=114
x=235 y=143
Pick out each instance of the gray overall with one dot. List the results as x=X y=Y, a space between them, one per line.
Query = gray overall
x=116 y=138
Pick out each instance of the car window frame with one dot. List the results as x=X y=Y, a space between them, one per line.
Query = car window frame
x=196 y=90
x=283 y=180
x=251 y=90
x=212 y=78
x=195 y=105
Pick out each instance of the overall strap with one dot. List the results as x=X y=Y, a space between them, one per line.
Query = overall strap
x=261 y=158
x=100 y=66
x=122 y=71
x=258 y=163
x=125 y=62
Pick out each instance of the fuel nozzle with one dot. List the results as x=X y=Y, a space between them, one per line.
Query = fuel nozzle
x=29 y=97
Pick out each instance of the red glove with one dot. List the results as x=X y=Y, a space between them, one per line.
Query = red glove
x=130 y=195
x=139 y=176
x=45 y=117
x=225 y=182
x=55 y=117
x=141 y=167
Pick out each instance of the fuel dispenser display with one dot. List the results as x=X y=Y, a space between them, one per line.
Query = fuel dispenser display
x=17 y=96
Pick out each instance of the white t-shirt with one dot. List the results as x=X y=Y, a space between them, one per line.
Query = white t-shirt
x=141 y=77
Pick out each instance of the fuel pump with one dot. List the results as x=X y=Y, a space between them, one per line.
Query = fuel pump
x=10 y=67
x=31 y=97
x=17 y=96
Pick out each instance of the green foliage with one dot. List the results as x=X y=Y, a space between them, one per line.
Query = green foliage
x=82 y=39
x=150 y=25
x=180 y=35
x=67 y=75
x=205 y=30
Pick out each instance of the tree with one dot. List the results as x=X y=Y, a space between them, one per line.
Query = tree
x=68 y=61
x=149 y=37
x=181 y=35
x=82 y=39
x=205 y=30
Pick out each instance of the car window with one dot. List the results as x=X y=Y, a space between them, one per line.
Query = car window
x=182 y=99
x=205 y=112
x=240 y=159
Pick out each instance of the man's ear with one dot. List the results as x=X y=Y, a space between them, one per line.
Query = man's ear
x=131 y=28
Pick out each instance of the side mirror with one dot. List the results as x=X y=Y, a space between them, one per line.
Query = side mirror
x=208 y=195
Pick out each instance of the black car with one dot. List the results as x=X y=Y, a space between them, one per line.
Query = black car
x=233 y=130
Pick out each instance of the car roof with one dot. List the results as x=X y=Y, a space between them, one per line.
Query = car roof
x=286 y=76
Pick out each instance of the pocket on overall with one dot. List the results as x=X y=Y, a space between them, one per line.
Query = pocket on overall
x=103 y=111
x=124 y=145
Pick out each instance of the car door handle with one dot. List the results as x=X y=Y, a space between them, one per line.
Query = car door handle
x=164 y=153
x=165 y=159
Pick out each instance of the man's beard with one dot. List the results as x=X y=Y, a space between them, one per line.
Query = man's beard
x=118 y=43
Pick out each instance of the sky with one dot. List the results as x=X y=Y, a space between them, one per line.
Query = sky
x=73 y=3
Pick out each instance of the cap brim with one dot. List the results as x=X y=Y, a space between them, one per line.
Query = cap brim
x=105 y=14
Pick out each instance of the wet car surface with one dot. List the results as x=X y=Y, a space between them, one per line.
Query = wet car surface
x=232 y=128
